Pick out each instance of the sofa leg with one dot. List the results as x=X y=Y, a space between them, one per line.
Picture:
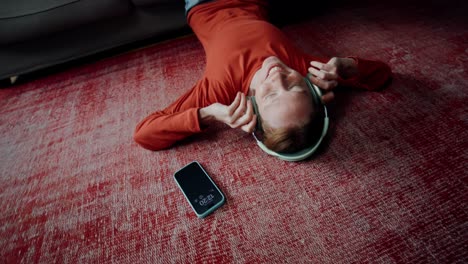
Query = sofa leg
x=13 y=79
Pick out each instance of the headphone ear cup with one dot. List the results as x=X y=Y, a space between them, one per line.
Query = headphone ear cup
x=255 y=108
x=315 y=90
x=254 y=104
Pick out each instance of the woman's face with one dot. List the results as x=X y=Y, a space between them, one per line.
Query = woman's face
x=283 y=98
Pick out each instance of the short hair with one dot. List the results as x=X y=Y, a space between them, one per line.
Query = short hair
x=289 y=140
x=293 y=139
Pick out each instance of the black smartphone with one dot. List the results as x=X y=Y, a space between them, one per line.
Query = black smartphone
x=199 y=189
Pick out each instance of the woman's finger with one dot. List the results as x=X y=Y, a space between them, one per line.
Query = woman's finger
x=323 y=74
x=250 y=127
x=324 y=84
x=246 y=116
x=328 y=97
x=330 y=66
x=233 y=106
x=317 y=64
x=240 y=110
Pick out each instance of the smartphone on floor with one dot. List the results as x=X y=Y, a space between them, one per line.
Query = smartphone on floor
x=199 y=189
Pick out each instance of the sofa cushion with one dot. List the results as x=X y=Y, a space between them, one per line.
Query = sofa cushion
x=153 y=2
x=21 y=20
x=17 y=8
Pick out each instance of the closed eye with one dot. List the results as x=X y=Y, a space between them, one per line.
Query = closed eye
x=269 y=96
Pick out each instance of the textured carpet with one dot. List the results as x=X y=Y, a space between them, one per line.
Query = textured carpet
x=389 y=186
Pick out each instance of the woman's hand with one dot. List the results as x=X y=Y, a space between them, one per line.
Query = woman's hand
x=326 y=75
x=239 y=114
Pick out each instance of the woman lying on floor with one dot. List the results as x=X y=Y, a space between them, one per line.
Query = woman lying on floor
x=248 y=57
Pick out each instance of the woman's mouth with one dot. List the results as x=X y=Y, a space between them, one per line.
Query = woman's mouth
x=273 y=69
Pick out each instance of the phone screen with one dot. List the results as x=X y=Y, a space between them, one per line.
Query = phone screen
x=198 y=188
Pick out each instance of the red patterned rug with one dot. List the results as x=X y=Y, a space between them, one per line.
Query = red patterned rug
x=390 y=186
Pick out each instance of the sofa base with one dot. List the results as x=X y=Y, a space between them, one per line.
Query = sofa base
x=25 y=57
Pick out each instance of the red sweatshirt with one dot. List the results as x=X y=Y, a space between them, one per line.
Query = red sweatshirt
x=236 y=37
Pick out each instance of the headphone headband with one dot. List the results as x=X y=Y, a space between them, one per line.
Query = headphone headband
x=307 y=152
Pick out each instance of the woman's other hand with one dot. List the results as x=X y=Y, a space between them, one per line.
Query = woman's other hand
x=326 y=75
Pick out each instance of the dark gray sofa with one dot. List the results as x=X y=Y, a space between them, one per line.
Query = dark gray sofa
x=43 y=33
x=40 y=34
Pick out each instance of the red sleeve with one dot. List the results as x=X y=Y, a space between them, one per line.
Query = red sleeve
x=373 y=75
x=162 y=129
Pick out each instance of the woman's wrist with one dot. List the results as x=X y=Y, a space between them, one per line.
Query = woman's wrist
x=206 y=115
x=349 y=68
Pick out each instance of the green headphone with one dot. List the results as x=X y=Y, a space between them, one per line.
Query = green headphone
x=308 y=151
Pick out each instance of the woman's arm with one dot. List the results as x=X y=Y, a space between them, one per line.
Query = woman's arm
x=162 y=129
x=191 y=113
x=351 y=72
x=369 y=75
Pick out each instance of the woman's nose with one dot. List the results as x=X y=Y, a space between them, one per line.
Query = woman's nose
x=279 y=82
x=282 y=82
